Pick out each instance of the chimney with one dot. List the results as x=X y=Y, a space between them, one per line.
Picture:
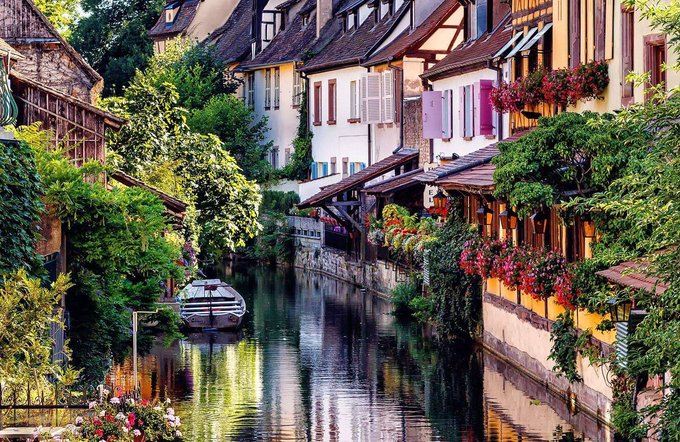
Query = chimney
x=324 y=12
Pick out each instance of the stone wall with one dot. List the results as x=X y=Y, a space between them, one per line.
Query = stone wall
x=379 y=277
x=413 y=129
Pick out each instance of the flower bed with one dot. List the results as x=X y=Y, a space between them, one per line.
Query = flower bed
x=538 y=273
x=561 y=87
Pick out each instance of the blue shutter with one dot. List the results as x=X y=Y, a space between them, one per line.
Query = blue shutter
x=351 y=168
x=315 y=171
x=363 y=166
x=325 y=169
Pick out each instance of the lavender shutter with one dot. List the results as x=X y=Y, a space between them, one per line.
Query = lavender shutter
x=475 y=104
x=432 y=114
x=485 y=111
x=461 y=111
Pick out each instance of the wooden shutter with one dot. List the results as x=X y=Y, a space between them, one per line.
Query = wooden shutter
x=364 y=85
x=317 y=103
x=469 y=111
x=325 y=169
x=398 y=94
x=476 y=102
x=574 y=33
x=447 y=109
x=600 y=23
x=352 y=168
x=332 y=106
x=432 y=114
x=388 y=96
x=277 y=87
x=371 y=98
x=627 y=45
x=486 y=126
x=267 y=89
x=461 y=111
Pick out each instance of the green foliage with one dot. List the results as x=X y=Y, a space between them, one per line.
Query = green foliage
x=564 y=349
x=301 y=160
x=275 y=243
x=113 y=37
x=243 y=136
x=278 y=202
x=456 y=296
x=20 y=207
x=403 y=297
x=27 y=312
x=62 y=13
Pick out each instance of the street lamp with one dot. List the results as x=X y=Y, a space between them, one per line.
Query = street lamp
x=508 y=219
x=439 y=200
x=619 y=310
x=135 y=319
x=588 y=227
x=539 y=222
x=484 y=216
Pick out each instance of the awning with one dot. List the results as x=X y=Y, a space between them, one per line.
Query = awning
x=353 y=182
x=522 y=43
x=537 y=36
x=394 y=184
x=508 y=45
x=477 y=178
x=633 y=274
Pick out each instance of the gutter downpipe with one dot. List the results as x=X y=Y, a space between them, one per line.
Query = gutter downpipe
x=401 y=103
x=499 y=79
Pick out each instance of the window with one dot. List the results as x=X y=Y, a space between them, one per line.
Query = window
x=249 y=90
x=305 y=20
x=574 y=33
x=627 y=47
x=277 y=87
x=171 y=14
x=655 y=58
x=317 y=103
x=412 y=17
x=387 y=96
x=472 y=23
x=466 y=111
x=345 y=167
x=274 y=157
x=267 y=89
x=447 y=114
x=354 y=102
x=298 y=88
x=334 y=168
x=482 y=16
x=371 y=107
x=332 y=102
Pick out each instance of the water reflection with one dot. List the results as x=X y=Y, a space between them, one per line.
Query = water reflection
x=319 y=360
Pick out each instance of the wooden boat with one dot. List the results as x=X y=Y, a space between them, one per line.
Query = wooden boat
x=211 y=304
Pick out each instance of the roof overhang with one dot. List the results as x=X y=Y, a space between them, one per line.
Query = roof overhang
x=634 y=274
x=174 y=206
x=477 y=179
x=394 y=184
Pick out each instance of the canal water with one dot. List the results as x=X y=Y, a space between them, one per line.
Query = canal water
x=317 y=359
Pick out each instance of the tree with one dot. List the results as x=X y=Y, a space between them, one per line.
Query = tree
x=62 y=13
x=113 y=38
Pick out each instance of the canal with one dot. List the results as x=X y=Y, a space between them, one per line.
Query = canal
x=317 y=359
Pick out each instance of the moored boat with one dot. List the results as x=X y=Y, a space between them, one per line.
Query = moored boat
x=211 y=304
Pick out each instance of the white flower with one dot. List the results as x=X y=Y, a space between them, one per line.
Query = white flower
x=125 y=429
x=79 y=420
x=102 y=413
x=137 y=432
x=167 y=400
x=131 y=401
x=102 y=440
x=115 y=400
x=172 y=424
x=157 y=408
x=105 y=392
x=178 y=433
x=177 y=421
x=170 y=411
x=92 y=404
x=121 y=417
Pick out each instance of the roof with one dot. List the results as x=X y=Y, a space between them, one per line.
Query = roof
x=354 y=46
x=476 y=158
x=477 y=178
x=409 y=40
x=56 y=37
x=371 y=172
x=289 y=45
x=176 y=206
x=183 y=18
x=232 y=39
x=473 y=53
x=5 y=49
x=633 y=274
x=395 y=183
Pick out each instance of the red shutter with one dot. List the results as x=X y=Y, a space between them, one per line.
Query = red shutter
x=485 y=110
x=574 y=33
x=317 y=103
x=331 y=102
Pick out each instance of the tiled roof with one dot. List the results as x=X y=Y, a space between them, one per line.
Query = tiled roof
x=358 y=179
x=354 y=46
x=184 y=17
x=289 y=45
x=633 y=274
x=477 y=178
x=476 y=158
x=394 y=183
x=473 y=53
x=232 y=39
x=409 y=40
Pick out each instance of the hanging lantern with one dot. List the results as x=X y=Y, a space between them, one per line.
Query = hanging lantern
x=484 y=216
x=588 y=227
x=539 y=222
x=619 y=310
x=508 y=219
x=440 y=200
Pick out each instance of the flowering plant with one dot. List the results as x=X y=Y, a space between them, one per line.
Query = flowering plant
x=506 y=97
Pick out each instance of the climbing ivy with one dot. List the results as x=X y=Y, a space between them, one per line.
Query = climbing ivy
x=301 y=160
x=564 y=337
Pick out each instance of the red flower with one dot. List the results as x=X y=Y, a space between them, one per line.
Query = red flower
x=131 y=419
x=97 y=422
x=99 y=432
x=109 y=418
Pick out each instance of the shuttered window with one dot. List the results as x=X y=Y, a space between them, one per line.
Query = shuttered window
x=466 y=111
x=267 y=89
x=574 y=33
x=627 y=54
x=432 y=114
x=317 y=103
x=447 y=117
x=332 y=102
x=486 y=114
x=388 y=96
x=354 y=100
x=371 y=98
x=277 y=87
x=297 y=88
x=655 y=58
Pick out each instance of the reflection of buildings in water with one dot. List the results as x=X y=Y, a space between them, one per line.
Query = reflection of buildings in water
x=518 y=408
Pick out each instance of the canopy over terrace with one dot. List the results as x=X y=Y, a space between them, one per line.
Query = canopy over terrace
x=342 y=200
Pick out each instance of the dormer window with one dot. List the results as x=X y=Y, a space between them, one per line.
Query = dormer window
x=305 y=20
x=171 y=12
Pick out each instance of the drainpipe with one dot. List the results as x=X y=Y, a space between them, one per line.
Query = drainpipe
x=499 y=79
x=401 y=102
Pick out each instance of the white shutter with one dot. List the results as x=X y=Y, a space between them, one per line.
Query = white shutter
x=364 y=85
x=388 y=96
x=373 y=98
x=447 y=110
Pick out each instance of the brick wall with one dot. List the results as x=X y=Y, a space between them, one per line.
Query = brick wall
x=413 y=129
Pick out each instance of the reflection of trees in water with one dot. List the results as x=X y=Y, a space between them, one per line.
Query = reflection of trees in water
x=560 y=435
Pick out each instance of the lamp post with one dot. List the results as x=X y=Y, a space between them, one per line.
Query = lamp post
x=588 y=227
x=135 y=319
x=484 y=216
x=439 y=200
x=619 y=310
x=539 y=222
x=508 y=219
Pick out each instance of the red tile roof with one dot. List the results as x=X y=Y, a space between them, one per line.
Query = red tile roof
x=232 y=39
x=360 y=178
x=395 y=183
x=478 y=178
x=472 y=54
x=411 y=40
x=184 y=17
x=634 y=274
x=352 y=47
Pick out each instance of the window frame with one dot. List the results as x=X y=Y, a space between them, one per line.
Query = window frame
x=267 y=89
x=277 y=87
x=317 y=103
x=653 y=45
x=627 y=60
x=332 y=101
